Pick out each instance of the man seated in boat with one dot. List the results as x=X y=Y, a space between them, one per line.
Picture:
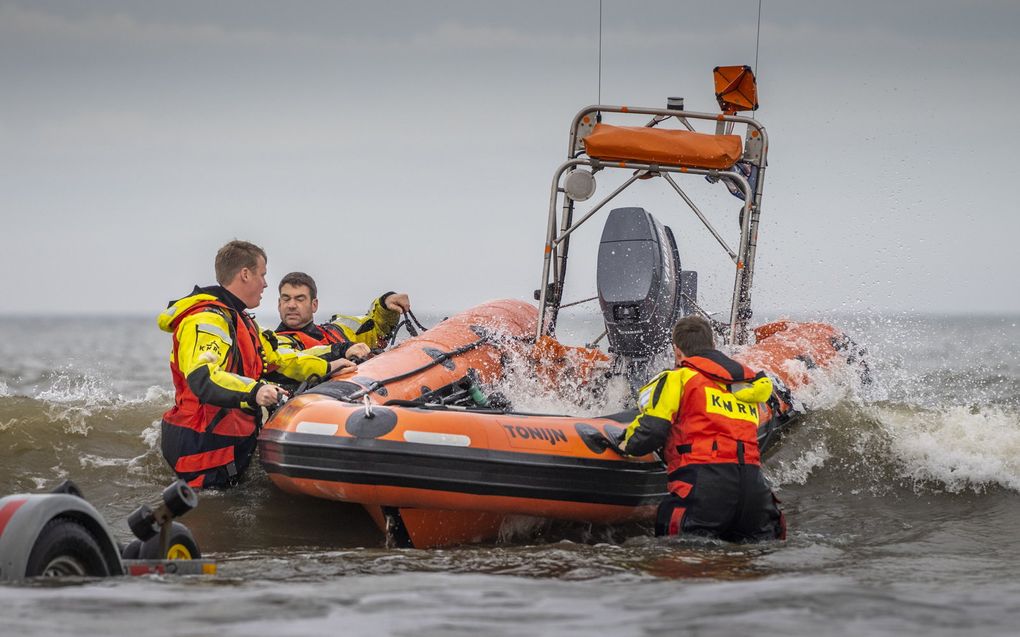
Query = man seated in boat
x=705 y=413
x=218 y=363
x=352 y=337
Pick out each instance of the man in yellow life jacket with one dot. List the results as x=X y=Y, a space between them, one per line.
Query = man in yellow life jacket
x=218 y=361
x=705 y=414
x=351 y=337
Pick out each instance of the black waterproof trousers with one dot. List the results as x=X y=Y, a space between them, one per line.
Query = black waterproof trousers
x=729 y=501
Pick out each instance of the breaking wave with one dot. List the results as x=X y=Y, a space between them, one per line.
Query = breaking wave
x=947 y=421
x=925 y=424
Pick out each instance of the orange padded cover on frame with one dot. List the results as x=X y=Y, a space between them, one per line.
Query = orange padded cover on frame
x=662 y=146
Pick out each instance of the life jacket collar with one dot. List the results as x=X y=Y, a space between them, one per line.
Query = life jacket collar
x=211 y=295
x=719 y=367
x=746 y=385
x=310 y=328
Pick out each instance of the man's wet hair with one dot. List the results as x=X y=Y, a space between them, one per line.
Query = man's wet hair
x=234 y=257
x=693 y=334
x=299 y=278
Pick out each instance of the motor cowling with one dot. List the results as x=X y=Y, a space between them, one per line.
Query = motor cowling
x=639 y=283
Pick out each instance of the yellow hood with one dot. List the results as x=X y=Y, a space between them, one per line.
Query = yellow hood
x=168 y=318
x=757 y=391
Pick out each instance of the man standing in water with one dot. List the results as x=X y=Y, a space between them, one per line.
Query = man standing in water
x=706 y=412
x=344 y=336
x=218 y=359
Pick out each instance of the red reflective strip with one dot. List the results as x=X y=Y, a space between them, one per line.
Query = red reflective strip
x=675 y=519
x=146 y=569
x=333 y=333
x=198 y=482
x=7 y=512
x=205 y=460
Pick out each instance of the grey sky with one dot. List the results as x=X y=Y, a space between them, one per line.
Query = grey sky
x=411 y=146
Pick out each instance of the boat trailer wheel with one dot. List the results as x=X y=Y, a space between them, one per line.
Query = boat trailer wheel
x=66 y=548
x=64 y=566
x=181 y=545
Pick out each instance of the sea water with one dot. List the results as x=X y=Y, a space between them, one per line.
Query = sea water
x=902 y=495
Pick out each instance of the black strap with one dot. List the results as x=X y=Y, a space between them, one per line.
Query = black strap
x=682 y=449
x=220 y=415
x=659 y=386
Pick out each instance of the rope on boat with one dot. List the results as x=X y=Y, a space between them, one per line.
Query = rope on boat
x=438 y=360
x=408 y=321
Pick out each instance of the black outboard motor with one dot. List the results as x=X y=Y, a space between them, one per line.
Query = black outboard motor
x=641 y=288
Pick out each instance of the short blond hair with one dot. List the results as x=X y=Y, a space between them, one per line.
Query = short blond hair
x=234 y=257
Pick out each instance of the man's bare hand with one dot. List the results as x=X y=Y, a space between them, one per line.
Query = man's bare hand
x=269 y=395
x=341 y=365
x=398 y=302
x=358 y=350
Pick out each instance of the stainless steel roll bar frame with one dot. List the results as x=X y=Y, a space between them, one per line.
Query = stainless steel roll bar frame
x=557 y=243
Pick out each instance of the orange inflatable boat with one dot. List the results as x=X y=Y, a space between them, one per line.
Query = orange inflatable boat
x=423 y=435
x=435 y=474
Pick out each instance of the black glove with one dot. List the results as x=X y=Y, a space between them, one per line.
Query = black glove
x=610 y=442
x=336 y=352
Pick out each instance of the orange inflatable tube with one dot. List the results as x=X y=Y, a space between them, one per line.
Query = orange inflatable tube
x=434 y=474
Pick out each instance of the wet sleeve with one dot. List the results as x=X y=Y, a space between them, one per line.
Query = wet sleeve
x=203 y=345
x=658 y=402
x=372 y=328
x=294 y=364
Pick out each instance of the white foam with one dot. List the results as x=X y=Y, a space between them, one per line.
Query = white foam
x=150 y=435
x=960 y=447
x=88 y=460
x=136 y=465
x=69 y=387
x=533 y=393
x=156 y=393
x=798 y=470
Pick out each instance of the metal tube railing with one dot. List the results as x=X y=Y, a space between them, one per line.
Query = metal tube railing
x=709 y=226
x=549 y=243
x=744 y=257
x=591 y=212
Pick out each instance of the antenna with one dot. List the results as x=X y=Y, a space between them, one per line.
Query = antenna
x=757 y=39
x=599 y=101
